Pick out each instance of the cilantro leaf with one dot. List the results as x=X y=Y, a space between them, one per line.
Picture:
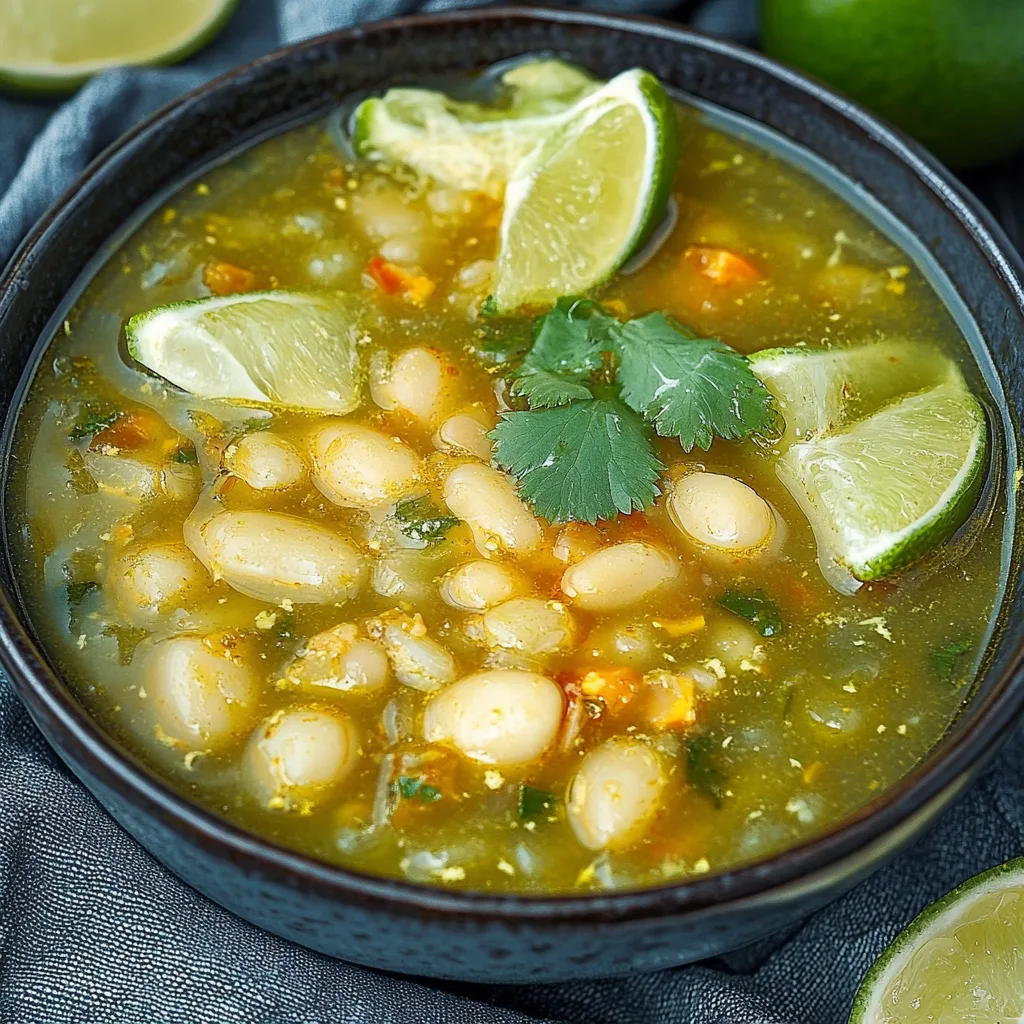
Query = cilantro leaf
x=545 y=390
x=421 y=520
x=585 y=461
x=415 y=787
x=695 y=389
x=534 y=802
x=948 y=661
x=703 y=771
x=757 y=608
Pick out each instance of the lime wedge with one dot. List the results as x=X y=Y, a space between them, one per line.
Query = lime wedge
x=54 y=45
x=959 y=961
x=264 y=348
x=590 y=195
x=893 y=486
x=823 y=389
x=467 y=145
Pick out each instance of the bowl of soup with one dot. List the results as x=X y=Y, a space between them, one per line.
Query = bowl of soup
x=515 y=495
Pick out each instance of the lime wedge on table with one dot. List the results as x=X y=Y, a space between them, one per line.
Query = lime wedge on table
x=961 y=961
x=265 y=348
x=824 y=389
x=54 y=45
x=590 y=195
x=882 y=492
x=467 y=145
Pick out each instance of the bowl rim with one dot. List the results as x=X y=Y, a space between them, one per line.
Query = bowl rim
x=42 y=689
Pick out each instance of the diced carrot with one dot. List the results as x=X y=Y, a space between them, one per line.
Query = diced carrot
x=614 y=684
x=676 y=628
x=616 y=307
x=674 y=703
x=393 y=279
x=720 y=265
x=227 y=279
x=131 y=430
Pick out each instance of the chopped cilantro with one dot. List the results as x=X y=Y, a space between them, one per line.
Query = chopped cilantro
x=695 y=389
x=757 y=608
x=583 y=461
x=545 y=390
x=79 y=573
x=128 y=638
x=702 y=770
x=421 y=520
x=254 y=423
x=489 y=308
x=77 y=592
x=186 y=456
x=950 y=659
x=535 y=802
x=91 y=418
x=413 y=787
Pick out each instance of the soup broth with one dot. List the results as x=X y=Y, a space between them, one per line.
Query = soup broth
x=348 y=632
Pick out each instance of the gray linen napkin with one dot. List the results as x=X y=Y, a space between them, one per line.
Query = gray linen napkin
x=93 y=931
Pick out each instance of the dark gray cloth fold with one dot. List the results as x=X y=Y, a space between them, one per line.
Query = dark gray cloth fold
x=93 y=931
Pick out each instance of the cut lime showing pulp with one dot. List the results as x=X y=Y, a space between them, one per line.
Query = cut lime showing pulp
x=54 y=45
x=589 y=196
x=891 y=487
x=823 y=389
x=961 y=960
x=466 y=145
x=266 y=348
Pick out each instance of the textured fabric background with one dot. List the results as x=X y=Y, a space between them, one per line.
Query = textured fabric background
x=92 y=931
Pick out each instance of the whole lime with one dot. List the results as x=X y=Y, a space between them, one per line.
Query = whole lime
x=949 y=72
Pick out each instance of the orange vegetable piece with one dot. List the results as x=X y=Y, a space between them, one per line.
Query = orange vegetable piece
x=392 y=279
x=680 y=627
x=614 y=684
x=679 y=710
x=130 y=431
x=227 y=279
x=720 y=265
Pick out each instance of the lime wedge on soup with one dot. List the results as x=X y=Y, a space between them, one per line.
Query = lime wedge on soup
x=891 y=487
x=55 y=45
x=467 y=145
x=823 y=389
x=264 y=348
x=589 y=196
x=959 y=960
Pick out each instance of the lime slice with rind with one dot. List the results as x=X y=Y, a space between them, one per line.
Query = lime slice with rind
x=589 y=196
x=959 y=962
x=468 y=145
x=276 y=348
x=819 y=390
x=891 y=487
x=55 y=45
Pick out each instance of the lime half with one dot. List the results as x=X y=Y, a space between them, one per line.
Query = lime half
x=961 y=961
x=264 y=348
x=54 y=45
x=590 y=195
x=466 y=145
x=889 y=488
x=823 y=389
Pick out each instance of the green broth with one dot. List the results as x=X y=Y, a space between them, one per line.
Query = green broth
x=792 y=732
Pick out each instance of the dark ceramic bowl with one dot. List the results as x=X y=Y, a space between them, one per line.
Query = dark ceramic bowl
x=409 y=928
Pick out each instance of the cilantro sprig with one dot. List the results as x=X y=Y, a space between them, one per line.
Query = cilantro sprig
x=597 y=387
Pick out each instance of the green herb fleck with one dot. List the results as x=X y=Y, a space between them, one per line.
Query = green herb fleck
x=583 y=461
x=421 y=520
x=79 y=573
x=695 y=389
x=535 y=802
x=92 y=417
x=77 y=592
x=255 y=423
x=757 y=608
x=488 y=308
x=413 y=787
x=186 y=456
x=702 y=770
x=950 y=659
x=128 y=638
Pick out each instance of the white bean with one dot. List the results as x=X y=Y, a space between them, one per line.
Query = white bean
x=121 y=476
x=720 y=512
x=736 y=644
x=488 y=502
x=615 y=794
x=338 y=659
x=463 y=434
x=156 y=578
x=502 y=717
x=301 y=756
x=418 y=382
x=202 y=694
x=357 y=467
x=416 y=659
x=273 y=557
x=479 y=585
x=618 y=576
x=383 y=213
x=530 y=625
x=266 y=461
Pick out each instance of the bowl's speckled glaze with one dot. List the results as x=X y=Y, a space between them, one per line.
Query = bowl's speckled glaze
x=401 y=926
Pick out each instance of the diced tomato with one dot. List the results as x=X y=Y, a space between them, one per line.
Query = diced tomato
x=392 y=279
x=227 y=279
x=720 y=265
